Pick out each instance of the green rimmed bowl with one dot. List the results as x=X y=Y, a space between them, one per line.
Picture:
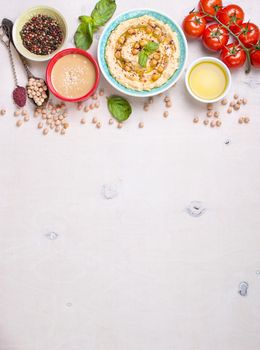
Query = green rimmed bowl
x=135 y=14
x=25 y=17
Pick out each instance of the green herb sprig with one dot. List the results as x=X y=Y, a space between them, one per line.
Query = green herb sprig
x=101 y=13
x=119 y=107
x=146 y=51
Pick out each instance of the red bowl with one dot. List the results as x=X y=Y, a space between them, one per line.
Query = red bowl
x=64 y=53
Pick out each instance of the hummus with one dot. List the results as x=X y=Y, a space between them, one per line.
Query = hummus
x=126 y=42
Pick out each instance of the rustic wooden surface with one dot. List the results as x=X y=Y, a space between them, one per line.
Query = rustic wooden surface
x=127 y=267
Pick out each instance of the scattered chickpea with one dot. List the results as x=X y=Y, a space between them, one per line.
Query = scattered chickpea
x=232 y=103
x=97 y=104
x=52 y=125
x=45 y=131
x=19 y=122
x=101 y=92
x=57 y=129
x=209 y=106
x=156 y=56
x=212 y=124
x=229 y=110
x=196 y=120
x=236 y=96
x=246 y=120
x=241 y=120
x=244 y=101
x=209 y=114
x=146 y=107
x=86 y=109
x=168 y=104
x=91 y=106
x=150 y=100
x=167 y=99
x=79 y=106
x=63 y=131
x=216 y=114
x=44 y=116
x=24 y=112
x=141 y=125
x=66 y=125
x=26 y=118
x=218 y=123
x=205 y=122
x=57 y=122
x=94 y=120
x=165 y=114
x=236 y=107
x=111 y=121
x=17 y=113
x=61 y=117
x=239 y=102
x=40 y=125
x=119 y=125
x=224 y=101
x=94 y=97
x=98 y=125
x=83 y=121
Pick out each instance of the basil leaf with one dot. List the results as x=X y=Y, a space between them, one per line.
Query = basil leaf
x=103 y=11
x=151 y=46
x=147 y=50
x=119 y=107
x=83 y=37
x=142 y=58
x=88 y=20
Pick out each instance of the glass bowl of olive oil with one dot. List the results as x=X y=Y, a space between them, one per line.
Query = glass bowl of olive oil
x=208 y=79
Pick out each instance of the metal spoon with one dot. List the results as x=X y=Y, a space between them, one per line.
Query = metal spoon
x=7 y=26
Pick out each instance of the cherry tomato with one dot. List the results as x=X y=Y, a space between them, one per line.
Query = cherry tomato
x=215 y=37
x=194 y=25
x=233 y=55
x=255 y=55
x=211 y=7
x=248 y=33
x=232 y=16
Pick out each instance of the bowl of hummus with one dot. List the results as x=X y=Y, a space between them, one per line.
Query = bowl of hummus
x=142 y=53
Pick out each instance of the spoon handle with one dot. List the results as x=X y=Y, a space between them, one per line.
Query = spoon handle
x=7 y=26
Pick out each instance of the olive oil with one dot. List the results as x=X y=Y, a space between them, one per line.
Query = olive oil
x=208 y=80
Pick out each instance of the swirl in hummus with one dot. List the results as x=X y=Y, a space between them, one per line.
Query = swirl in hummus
x=124 y=46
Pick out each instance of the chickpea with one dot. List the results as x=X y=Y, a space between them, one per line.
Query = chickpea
x=155 y=76
x=212 y=124
x=94 y=120
x=119 y=125
x=209 y=114
x=205 y=122
x=45 y=131
x=241 y=120
x=216 y=114
x=121 y=39
x=63 y=131
x=246 y=120
x=40 y=125
x=244 y=101
x=236 y=96
x=236 y=107
x=153 y=62
x=131 y=31
x=26 y=118
x=209 y=106
x=83 y=121
x=57 y=129
x=135 y=52
x=3 y=111
x=168 y=104
x=156 y=56
x=127 y=68
x=224 y=101
x=111 y=121
x=160 y=69
x=229 y=110
x=143 y=42
x=165 y=114
x=148 y=30
x=195 y=120
x=19 y=123
x=141 y=125
x=136 y=46
x=218 y=123
x=118 y=54
x=98 y=125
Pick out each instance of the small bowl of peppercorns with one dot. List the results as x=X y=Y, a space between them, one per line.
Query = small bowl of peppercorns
x=40 y=33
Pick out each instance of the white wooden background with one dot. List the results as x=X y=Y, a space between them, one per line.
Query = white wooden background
x=136 y=271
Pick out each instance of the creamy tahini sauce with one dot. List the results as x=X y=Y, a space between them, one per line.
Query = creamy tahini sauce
x=73 y=76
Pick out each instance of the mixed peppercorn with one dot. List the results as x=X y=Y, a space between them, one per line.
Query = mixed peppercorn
x=41 y=35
